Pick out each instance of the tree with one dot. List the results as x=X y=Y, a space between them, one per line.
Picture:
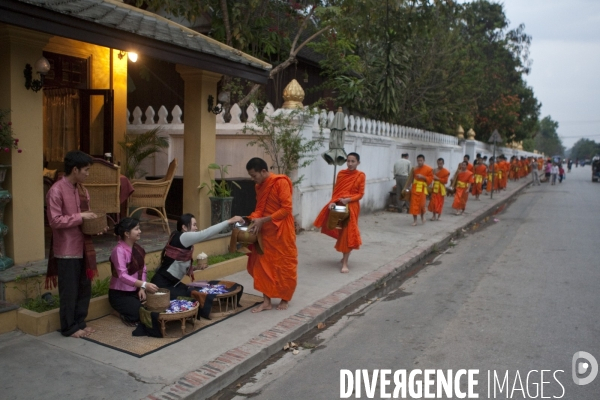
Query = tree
x=271 y=30
x=281 y=137
x=584 y=149
x=547 y=140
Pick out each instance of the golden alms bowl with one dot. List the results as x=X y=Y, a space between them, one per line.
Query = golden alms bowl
x=244 y=236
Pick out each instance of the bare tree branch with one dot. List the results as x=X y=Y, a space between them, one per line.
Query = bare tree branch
x=307 y=41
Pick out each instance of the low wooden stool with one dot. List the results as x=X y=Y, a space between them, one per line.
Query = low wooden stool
x=191 y=314
x=224 y=301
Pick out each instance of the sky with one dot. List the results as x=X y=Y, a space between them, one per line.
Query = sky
x=565 y=50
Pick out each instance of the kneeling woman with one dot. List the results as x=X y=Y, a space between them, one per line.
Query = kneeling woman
x=128 y=284
x=177 y=255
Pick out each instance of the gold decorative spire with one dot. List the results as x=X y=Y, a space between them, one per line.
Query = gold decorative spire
x=471 y=134
x=460 y=132
x=293 y=94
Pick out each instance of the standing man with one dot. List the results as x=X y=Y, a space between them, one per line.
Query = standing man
x=349 y=189
x=422 y=177
x=72 y=259
x=401 y=170
x=464 y=179
x=438 y=195
x=275 y=270
x=535 y=176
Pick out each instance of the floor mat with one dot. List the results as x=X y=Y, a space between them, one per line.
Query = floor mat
x=111 y=332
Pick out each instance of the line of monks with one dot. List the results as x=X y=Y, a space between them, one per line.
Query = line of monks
x=274 y=266
x=469 y=178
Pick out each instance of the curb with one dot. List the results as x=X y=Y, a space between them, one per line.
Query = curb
x=217 y=374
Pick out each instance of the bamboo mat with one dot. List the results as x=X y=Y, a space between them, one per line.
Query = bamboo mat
x=112 y=333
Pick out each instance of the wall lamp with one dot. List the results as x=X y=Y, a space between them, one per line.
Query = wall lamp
x=42 y=66
x=222 y=98
x=130 y=54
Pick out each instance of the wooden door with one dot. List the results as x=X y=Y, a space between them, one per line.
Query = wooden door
x=96 y=122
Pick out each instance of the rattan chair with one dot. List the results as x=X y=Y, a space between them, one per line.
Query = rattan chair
x=153 y=194
x=104 y=186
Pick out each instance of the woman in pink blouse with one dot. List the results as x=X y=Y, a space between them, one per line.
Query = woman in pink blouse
x=128 y=284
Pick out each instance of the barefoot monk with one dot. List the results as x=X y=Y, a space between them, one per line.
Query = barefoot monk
x=349 y=189
x=438 y=192
x=422 y=176
x=275 y=270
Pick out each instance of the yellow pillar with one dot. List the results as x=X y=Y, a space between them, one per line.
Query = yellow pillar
x=119 y=85
x=199 y=140
x=24 y=215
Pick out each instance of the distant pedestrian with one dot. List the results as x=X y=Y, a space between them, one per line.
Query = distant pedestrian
x=561 y=173
x=548 y=170
x=554 y=173
x=569 y=165
x=401 y=171
x=535 y=177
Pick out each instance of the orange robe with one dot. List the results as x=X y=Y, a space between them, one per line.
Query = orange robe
x=462 y=190
x=275 y=271
x=513 y=170
x=348 y=184
x=438 y=192
x=480 y=171
x=489 y=182
x=418 y=192
x=503 y=178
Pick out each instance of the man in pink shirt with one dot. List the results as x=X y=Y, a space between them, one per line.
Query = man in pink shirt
x=67 y=254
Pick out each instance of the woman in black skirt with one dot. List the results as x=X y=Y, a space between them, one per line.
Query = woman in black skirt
x=128 y=284
x=177 y=255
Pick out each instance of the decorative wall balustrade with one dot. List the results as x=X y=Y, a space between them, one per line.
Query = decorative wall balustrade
x=353 y=123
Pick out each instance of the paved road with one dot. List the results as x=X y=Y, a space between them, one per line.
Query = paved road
x=518 y=295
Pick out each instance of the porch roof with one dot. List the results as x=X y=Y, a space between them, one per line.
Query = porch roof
x=113 y=24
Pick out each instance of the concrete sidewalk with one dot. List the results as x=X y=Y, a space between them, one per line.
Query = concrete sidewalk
x=52 y=366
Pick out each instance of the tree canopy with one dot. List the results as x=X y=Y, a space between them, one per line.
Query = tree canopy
x=547 y=140
x=584 y=149
x=430 y=64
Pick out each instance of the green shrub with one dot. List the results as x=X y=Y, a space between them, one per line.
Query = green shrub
x=40 y=305
x=100 y=287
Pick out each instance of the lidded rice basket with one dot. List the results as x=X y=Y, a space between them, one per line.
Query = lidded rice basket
x=159 y=301
x=94 y=226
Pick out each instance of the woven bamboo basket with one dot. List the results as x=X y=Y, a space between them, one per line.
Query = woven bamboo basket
x=158 y=302
x=94 y=226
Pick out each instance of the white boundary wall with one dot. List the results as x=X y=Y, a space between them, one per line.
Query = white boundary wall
x=378 y=143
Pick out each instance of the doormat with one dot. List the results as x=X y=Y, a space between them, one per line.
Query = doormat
x=113 y=333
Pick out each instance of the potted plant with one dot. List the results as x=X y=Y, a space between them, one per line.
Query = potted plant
x=138 y=147
x=220 y=195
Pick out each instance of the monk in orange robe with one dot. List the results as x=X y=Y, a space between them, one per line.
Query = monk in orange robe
x=438 y=191
x=492 y=181
x=275 y=270
x=422 y=177
x=480 y=172
x=503 y=168
x=465 y=178
x=349 y=189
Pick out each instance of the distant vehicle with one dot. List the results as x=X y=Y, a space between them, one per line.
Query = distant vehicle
x=595 y=168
